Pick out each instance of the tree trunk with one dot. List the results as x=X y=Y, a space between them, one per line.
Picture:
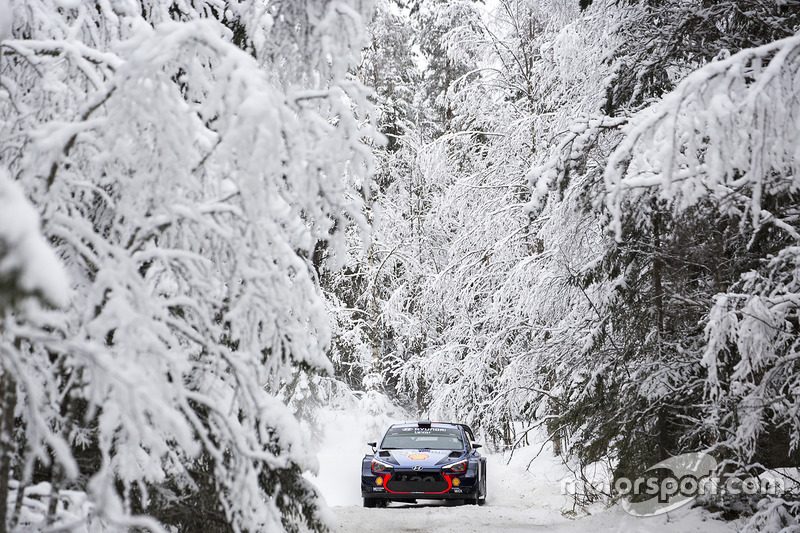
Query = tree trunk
x=372 y=311
x=8 y=397
x=658 y=297
x=52 y=505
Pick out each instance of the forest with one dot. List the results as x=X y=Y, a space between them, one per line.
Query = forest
x=576 y=217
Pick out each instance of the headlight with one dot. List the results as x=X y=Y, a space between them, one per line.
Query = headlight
x=456 y=468
x=379 y=466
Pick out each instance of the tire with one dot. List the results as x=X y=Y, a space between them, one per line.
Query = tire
x=370 y=502
x=482 y=485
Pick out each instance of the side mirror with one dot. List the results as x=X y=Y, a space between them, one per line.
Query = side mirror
x=372 y=445
x=475 y=445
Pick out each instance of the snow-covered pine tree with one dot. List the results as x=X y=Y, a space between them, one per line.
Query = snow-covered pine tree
x=717 y=149
x=440 y=23
x=640 y=372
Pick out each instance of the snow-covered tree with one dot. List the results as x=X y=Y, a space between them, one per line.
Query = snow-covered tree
x=448 y=61
x=720 y=146
x=637 y=392
x=389 y=66
x=186 y=158
x=29 y=272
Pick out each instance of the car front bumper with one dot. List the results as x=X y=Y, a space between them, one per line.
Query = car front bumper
x=387 y=489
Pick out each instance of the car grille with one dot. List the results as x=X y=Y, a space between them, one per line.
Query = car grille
x=417 y=482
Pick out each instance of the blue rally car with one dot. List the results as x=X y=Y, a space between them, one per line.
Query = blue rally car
x=426 y=461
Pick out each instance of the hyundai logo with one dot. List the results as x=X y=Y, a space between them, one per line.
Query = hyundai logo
x=416 y=468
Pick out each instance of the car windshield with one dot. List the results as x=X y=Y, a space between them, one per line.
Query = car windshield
x=417 y=438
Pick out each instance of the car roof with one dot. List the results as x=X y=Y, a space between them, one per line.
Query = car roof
x=424 y=422
x=465 y=428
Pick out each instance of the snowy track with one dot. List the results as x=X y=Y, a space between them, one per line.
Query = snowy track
x=437 y=518
x=519 y=499
x=522 y=501
x=511 y=516
x=514 y=504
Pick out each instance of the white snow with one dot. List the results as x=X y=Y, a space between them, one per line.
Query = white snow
x=519 y=499
x=24 y=254
x=6 y=20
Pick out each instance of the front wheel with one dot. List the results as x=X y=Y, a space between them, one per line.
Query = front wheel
x=370 y=502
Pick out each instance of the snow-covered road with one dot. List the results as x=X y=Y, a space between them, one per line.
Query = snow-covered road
x=517 y=504
x=439 y=519
x=514 y=504
x=492 y=519
x=519 y=499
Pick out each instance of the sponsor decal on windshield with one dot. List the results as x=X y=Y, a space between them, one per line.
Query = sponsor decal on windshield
x=424 y=431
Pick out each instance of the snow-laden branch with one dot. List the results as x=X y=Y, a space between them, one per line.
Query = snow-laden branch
x=28 y=265
x=730 y=126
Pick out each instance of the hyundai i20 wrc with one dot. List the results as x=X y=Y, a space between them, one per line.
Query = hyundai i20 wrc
x=424 y=461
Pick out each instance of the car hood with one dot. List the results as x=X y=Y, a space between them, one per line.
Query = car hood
x=423 y=458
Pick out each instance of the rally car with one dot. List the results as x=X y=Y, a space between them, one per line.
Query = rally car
x=424 y=461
